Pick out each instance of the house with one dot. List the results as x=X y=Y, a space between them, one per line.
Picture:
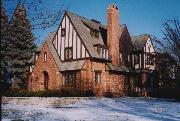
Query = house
x=84 y=55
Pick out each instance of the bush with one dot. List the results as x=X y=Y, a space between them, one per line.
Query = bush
x=49 y=93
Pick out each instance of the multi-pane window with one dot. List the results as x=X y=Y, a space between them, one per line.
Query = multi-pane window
x=97 y=76
x=63 y=32
x=68 y=53
x=173 y=72
x=102 y=51
x=69 y=78
x=45 y=57
x=150 y=59
x=137 y=83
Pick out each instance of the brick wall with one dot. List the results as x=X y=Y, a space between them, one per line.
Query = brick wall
x=113 y=84
x=85 y=79
x=36 y=81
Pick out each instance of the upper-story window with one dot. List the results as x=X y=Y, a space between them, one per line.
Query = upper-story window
x=99 y=50
x=150 y=59
x=68 y=53
x=45 y=57
x=94 y=33
x=63 y=32
x=136 y=59
x=102 y=50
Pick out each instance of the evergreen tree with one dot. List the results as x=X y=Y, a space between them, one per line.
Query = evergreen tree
x=4 y=41
x=4 y=38
x=23 y=43
x=6 y=74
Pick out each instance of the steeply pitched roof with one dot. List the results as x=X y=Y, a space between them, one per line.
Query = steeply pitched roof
x=80 y=24
x=139 y=41
x=67 y=66
x=32 y=59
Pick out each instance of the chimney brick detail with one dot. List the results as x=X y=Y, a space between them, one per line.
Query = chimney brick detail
x=113 y=34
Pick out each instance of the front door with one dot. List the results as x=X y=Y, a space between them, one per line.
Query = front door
x=46 y=79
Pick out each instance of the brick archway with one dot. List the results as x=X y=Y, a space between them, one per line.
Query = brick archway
x=46 y=80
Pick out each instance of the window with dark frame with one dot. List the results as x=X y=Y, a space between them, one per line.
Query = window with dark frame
x=68 y=53
x=98 y=50
x=97 y=77
x=63 y=32
x=45 y=57
x=136 y=59
x=69 y=78
x=94 y=33
x=150 y=59
x=102 y=51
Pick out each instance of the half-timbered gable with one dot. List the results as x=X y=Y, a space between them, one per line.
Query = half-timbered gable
x=149 y=55
x=143 y=53
x=67 y=42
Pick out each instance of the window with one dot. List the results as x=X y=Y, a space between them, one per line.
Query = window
x=97 y=34
x=137 y=84
x=136 y=59
x=102 y=51
x=172 y=72
x=150 y=59
x=94 y=33
x=63 y=32
x=45 y=57
x=98 y=50
x=36 y=57
x=69 y=78
x=129 y=58
x=68 y=53
x=121 y=57
x=97 y=76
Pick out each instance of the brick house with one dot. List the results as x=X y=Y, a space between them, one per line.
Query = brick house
x=84 y=55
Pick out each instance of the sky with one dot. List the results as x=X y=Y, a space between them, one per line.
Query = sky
x=140 y=16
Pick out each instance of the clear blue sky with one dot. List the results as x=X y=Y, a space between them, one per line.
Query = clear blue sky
x=140 y=16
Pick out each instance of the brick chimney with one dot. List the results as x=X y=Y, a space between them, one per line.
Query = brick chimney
x=113 y=34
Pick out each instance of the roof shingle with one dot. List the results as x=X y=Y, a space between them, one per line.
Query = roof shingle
x=139 y=41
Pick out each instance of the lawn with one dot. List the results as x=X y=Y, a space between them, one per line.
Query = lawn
x=123 y=109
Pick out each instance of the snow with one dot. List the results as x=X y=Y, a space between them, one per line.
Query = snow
x=123 y=109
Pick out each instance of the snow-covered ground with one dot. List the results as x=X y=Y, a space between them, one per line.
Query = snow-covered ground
x=114 y=109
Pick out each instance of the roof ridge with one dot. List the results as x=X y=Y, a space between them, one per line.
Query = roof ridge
x=141 y=35
x=88 y=19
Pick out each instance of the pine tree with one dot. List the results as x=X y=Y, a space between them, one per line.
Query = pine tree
x=4 y=41
x=4 y=37
x=23 y=43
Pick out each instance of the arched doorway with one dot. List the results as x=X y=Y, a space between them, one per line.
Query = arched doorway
x=46 y=79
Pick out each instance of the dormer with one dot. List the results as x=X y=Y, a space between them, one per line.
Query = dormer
x=93 y=28
x=94 y=33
